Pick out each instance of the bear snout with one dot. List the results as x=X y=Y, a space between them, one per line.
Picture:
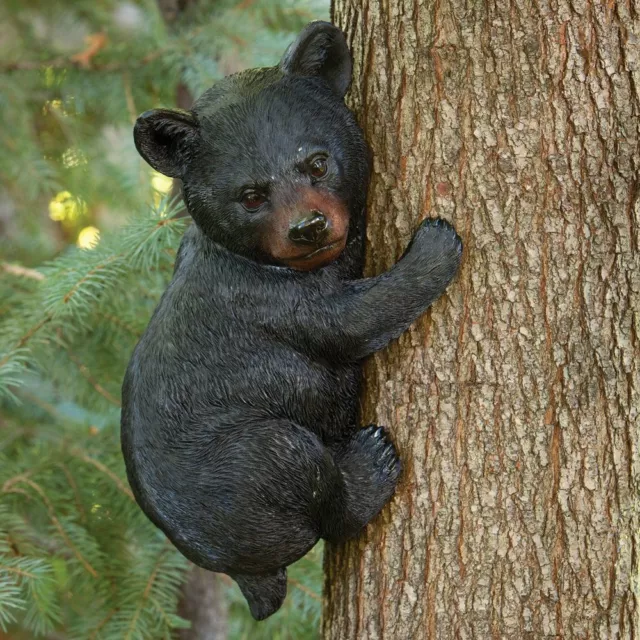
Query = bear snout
x=312 y=229
x=307 y=229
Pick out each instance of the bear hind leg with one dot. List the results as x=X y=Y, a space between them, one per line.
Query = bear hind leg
x=264 y=593
x=370 y=468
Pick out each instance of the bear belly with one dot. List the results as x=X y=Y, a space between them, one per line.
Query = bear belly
x=314 y=394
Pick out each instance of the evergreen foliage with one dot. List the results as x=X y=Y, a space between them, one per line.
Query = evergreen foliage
x=78 y=559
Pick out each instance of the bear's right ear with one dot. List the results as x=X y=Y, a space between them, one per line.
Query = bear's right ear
x=160 y=136
x=320 y=50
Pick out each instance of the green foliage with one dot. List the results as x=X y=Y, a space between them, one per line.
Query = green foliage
x=78 y=559
x=76 y=552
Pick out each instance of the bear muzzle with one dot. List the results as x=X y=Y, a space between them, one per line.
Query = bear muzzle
x=311 y=230
x=308 y=230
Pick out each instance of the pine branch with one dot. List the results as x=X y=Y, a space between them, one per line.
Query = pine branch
x=102 y=623
x=145 y=595
x=19 y=572
x=25 y=338
x=298 y=585
x=86 y=374
x=74 y=451
x=24 y=272
x=62 y=62
x=119 y=323
x=75 y=291
x=76 y=492
x=56 y=522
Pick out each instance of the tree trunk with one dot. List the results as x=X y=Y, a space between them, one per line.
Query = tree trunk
x=204 y=604
x=514 y=401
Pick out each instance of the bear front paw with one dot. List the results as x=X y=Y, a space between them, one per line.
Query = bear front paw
x=437 y=248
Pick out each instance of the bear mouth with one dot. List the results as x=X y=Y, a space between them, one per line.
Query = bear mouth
x=327 y=247
x=318 y=257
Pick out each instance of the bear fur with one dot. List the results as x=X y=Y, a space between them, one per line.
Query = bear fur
x=240 y=404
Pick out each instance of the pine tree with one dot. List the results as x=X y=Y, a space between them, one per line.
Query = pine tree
x=78 y=559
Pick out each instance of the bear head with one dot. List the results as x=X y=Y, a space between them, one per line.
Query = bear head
x=272 y=163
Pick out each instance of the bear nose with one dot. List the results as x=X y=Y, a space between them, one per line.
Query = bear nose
x=309 y=230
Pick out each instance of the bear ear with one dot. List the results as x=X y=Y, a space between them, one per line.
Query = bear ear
x=160 y=135
x=320 y=50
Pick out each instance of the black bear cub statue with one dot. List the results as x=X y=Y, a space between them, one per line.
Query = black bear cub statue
x=240 y=403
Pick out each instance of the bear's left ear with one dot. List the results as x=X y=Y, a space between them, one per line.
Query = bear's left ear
x=320 y=50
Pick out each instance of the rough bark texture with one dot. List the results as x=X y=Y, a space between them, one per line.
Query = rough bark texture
x=514 y=402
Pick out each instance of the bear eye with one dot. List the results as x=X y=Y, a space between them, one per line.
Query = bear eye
x=318 y=167
x=252 y=200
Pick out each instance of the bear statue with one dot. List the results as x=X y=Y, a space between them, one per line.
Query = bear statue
x=240 y=403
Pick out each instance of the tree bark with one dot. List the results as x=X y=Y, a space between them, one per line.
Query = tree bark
x=514 y=401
